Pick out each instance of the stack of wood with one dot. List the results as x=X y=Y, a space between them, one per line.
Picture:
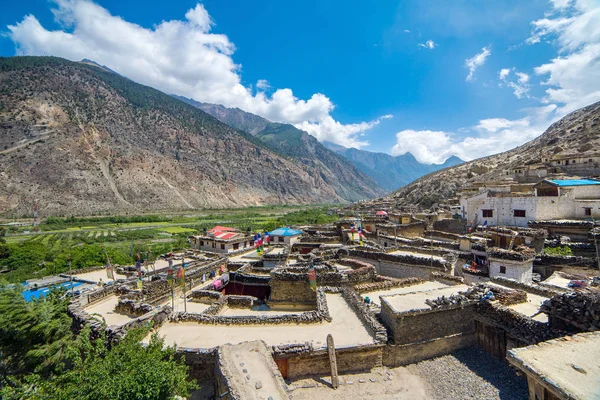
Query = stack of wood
x=578 y=309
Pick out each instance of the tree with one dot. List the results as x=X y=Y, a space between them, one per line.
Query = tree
x=4 y=252
x=41 y=358
x=33 y=336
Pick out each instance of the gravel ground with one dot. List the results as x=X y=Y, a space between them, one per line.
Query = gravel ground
x=472 y=374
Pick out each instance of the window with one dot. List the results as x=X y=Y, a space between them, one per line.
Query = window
x=202 y=243
x=280 y=239
x=519 y=213
x=502 y=269
x=590 y=160
x=587 y=211
x=222 y=247
x=236 y=246
x=488 y=213
x=573 y=162
x=384 y=244
x=214 y=245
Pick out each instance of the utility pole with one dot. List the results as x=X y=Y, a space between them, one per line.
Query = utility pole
x=70 y=274
x=595 y=234
x=35 y=215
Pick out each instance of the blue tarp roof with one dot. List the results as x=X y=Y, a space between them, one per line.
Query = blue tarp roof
x=574 y=182
x=285 y=232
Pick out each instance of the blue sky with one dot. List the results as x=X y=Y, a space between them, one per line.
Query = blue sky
x=392 y=77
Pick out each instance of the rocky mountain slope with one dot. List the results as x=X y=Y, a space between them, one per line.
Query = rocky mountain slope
x=83 y=140
x=348 y=181
x=390 y=172
x=576 y=134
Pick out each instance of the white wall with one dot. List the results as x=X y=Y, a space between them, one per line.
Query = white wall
x=519 y=271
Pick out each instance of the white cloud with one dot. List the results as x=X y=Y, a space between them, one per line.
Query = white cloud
x=504 y=73
x=494 y=135
x=477 y=61
x=520 y=86
x=332 y=131
x=180 y=56
x=263 y=84
x=573 y=77
x=406 y=31
x=430 y=44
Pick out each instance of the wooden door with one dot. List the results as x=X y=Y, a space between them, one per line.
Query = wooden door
x=283 y=365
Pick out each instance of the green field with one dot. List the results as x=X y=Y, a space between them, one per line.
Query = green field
x=85 y=240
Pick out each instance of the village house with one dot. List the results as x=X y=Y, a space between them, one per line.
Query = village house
x=549 y=199
x=221 y=239
x=285 y=236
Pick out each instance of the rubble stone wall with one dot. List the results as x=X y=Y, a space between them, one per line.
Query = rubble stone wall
x=406 y=328
x=292 y=292
x=130 y=307
x=458 y=226
x=349 y=360
x=366 y=315
x=520 y=328
x=201 y=363
x=527 y=287
x=401 y=355
x=447 y=278
x=384 y=282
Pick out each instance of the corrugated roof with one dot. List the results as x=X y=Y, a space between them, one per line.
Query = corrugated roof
x=574 y=182
x=285 y=232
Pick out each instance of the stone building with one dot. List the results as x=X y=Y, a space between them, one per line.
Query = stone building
x=547 y=200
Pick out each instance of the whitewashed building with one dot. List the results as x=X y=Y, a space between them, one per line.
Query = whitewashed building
x=549 y=199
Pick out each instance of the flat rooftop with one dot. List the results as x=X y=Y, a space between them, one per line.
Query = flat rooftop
x=416 y=254
x=97 y=275
x=421 y=287
x=567 y=365
x=416 y=300
x=530 y=307
x=346 y=328
x=106 y=308
x=250 y=255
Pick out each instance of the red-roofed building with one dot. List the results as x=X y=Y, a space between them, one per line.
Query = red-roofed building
x=222 y=239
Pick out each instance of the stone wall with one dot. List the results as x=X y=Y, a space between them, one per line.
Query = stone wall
x=211 y=314
x=458 y=226
x=401 y=355
x=522 y=329
x=201 y=363
x=447 y=278
x=366 y=315
x=205 y=296
x=286 y=292
x=527 y=287
x=316 y=363
x=412 y=327
x=130 y=307
x=385 y=282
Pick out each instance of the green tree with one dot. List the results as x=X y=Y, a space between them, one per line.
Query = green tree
x=33 y=336
x=4 y=252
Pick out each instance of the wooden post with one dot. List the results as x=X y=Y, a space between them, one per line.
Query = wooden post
x=332 y=361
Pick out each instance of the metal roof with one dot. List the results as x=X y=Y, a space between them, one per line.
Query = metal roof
x=285 y=232
x=574 y=182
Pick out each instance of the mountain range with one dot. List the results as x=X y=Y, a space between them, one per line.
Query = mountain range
x=390 y=172
x=83 y=140
x=387 y=172
x=298 y=145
